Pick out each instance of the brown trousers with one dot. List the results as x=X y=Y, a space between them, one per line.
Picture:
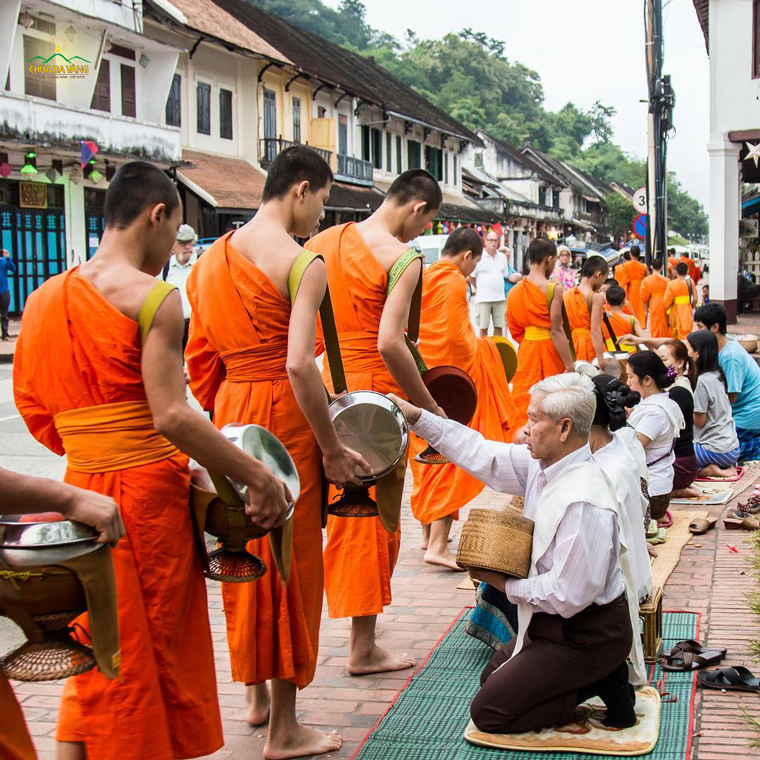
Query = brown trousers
x=539 y=686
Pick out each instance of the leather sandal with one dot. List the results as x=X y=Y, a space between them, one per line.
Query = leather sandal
x=685 y=661
x=690 y=645
x=740 y=520
x=737 y=678
x=702 y=525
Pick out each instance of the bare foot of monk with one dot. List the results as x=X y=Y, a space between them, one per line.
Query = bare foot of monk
x=259 y=702
x=438 y=552
x=446 y=559
x=378 y=660
x=300 y=741
x=425 y=537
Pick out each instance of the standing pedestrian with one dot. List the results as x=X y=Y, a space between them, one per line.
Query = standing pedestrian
x=178 y=270
x=564 y=273
x=6 y=267
x=512 y=277
x=488 y=278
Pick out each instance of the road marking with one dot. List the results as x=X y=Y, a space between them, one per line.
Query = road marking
x=11 y=417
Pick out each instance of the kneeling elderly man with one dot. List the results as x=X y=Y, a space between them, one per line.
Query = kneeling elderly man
x=575 y=623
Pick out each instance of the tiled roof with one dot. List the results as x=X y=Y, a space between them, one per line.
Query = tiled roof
x=207 y=17
x=522 y=158
x=344 y=196
x=353 y=73
x=224 y=182
x=702 y=7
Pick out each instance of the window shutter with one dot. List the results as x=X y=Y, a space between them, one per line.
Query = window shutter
x=128 y=91
x=101 y=98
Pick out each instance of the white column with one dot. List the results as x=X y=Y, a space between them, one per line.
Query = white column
x=76 y=239
x=725 y=209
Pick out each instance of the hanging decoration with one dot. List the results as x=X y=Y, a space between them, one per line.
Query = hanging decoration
x=5 y=167
x=89 y=150
x=29 y=169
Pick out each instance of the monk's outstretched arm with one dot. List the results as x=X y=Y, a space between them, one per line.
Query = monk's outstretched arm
x=597 y=338
x=190 y=431
x=31 y=495
x=559 y=336
x=392 y=345
x=339 y=462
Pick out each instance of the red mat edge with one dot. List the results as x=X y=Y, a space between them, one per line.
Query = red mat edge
x=692 y=696
x=723 y=480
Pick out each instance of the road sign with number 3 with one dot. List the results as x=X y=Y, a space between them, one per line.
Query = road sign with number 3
x=640 y=200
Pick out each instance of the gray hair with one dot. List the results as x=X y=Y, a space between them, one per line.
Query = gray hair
x=569 y=396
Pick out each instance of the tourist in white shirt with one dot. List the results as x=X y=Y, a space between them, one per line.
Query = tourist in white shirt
x=488 y=279
x=657 y=421
x=575 y=625
x=178 y=270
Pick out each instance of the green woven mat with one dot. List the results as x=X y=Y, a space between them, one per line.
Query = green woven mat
x=428 y=718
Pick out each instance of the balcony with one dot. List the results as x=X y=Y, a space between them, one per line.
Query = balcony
x=354 y=170
x=271 y=146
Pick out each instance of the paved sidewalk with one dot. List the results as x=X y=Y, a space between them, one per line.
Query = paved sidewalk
x=710 y=579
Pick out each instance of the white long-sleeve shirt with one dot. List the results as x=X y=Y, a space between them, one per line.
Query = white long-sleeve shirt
x=582 y=564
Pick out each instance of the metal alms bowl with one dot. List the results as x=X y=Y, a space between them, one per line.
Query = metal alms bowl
x=267 y=449
x=26 y=541
x=374 y=426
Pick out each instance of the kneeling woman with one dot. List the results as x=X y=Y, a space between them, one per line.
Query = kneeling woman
x=657 y=421
x=716 y=443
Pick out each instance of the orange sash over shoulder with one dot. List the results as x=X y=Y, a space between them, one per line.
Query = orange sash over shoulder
x=359 y=554
x=89 y=401
x=677 y=303
x=237 y=360
x=634 y=274
x=530 y=325
x=447 y=337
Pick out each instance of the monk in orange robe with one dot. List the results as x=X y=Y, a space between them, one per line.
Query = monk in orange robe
x=672 y=263
x=448 y=338
x=359 y=554
x=694 y=271
x=31 y=495
x=620 y=322
x=113 y=400
x=631 y=275
x=250 y=357
x=679 y=300
x=584 y=305
x=652 y=293
x=544 y=347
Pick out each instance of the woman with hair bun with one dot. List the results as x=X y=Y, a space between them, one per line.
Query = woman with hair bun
x=675 y=354
x=657 y=421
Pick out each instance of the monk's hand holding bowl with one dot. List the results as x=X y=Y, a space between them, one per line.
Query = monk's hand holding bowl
x=96 y=510
x=269 y=498
x=491 y=577
x=340 y=466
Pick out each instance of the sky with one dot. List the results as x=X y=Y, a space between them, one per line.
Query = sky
x=586 y=51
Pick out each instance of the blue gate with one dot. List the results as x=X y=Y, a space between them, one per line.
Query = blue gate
x=36 y=239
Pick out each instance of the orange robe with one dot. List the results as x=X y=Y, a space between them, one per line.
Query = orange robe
x=164 y=705
x=236 y=358
x=652 y=292
x=15 y=742
x=359 y=554
x=633 y=274
x=579 y=317
x=447 y=337
x=694 y=271
x=621 y=325
x=672 y=263
x=530 y=324
x=677 y=303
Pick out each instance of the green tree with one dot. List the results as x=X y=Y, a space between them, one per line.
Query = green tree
x=621 y=214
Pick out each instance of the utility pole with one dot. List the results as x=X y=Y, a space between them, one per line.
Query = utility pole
x=660 y=122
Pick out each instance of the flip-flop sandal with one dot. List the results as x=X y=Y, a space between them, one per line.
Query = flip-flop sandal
x=702 y=525
x=684 y=661
x=666 y=521
x=659 y=538
x=690 y=645
x=737 y=678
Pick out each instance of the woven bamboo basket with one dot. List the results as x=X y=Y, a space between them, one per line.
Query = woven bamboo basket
x=497 y=540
